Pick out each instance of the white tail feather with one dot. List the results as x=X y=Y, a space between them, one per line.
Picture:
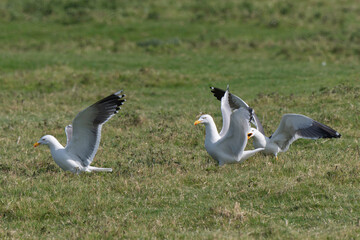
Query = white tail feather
x=96 y=169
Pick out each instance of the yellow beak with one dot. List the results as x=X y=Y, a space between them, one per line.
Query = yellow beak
x=197 y=122
x=249 y=135
x=36 y=144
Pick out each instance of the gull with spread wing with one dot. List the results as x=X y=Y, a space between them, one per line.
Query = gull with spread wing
x=83 y=136
x=291 y=128
x=229 y=145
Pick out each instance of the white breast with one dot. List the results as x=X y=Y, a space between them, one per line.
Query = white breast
x=65 y=161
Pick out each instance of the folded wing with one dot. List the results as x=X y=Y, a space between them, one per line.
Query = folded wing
x=87 y=127
x=235 y=140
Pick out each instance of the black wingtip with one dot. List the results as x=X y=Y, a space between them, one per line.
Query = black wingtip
x=319 y=130
x=327 y=131
x=218 y=93
x=251 y=112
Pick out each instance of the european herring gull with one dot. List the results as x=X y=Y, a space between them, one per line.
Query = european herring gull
x=228 y=146
x=83 y=136
x=291 y=128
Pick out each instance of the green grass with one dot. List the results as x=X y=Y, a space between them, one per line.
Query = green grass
x=57 y=57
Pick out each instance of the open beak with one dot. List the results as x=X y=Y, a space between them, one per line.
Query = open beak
x=36 y=144
x=197 y=122
x=249 y=135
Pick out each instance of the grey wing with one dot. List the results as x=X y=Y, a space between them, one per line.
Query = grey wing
x=258 y=124
x=235 y=140
x=235 y=103
x=87 y=127
x=295 y=126
x=226 y=113
x=68 y=132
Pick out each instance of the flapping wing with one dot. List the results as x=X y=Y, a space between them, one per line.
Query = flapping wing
x=226 y=113
x=257 y=123
x=295 y=126
x=235 y=103
x=87 y=127
x=68 y=132
x=235 y=140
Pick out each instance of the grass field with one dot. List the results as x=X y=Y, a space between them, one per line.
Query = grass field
x=281 y=56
